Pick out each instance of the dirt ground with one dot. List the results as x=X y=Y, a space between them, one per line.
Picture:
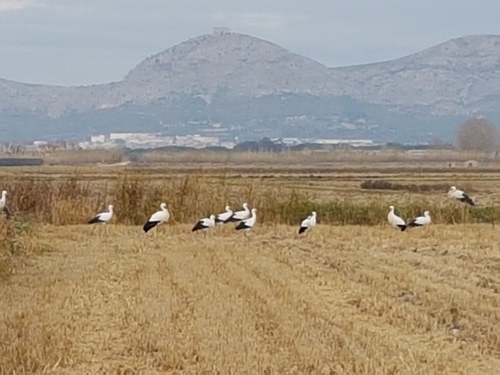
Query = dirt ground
x=344 y=300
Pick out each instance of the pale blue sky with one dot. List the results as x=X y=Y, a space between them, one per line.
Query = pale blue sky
x=71 y=42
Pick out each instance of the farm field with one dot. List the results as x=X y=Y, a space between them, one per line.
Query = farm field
x=353 y=297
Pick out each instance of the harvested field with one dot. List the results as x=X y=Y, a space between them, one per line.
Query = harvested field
x=345 y=300
x=353 y=297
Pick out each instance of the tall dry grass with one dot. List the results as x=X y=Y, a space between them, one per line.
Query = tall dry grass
x=16 y=244
x=70 y=200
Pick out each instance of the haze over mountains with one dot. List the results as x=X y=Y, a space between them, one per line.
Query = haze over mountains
x=231 y=85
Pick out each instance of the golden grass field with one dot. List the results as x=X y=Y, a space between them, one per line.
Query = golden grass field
x=346 y=299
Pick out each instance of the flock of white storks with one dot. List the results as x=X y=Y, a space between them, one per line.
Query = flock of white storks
x=425 y=219
x=246 y=218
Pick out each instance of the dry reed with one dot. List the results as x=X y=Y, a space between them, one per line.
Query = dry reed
x=16 y=244
x=69 y=200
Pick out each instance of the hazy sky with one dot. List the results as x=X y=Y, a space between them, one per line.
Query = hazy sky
x=75 y=42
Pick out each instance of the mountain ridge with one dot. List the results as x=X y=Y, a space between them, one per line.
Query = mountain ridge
x=191 y=81
x=458 y=65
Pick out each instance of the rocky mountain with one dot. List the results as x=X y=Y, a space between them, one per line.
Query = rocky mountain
x=237 y=85
x=458 y=77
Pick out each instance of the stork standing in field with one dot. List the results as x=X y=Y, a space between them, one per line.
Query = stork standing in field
x=460 y=196
x=308 y=223
x=240 y=215
x=159 y=217
x=204 y=224
x=420 y=221
x=3 y=200
x=3 y=204
x=103 y=217
x=224 y=217
x=395 y=220
x=248 y=224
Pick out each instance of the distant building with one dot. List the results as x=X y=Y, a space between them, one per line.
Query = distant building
x=471 y=164
x=220 y=30
x=465 y=164
x=128 y=136
x=98 y=138
x=40 y=143
x=352 y=142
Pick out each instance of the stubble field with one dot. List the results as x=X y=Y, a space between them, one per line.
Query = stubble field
x=355 y=296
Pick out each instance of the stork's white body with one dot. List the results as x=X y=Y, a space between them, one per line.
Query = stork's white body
x=159 y=217
x=224 y=217
x=308 y=223
x=461 y=196
x=421 y=221
x=3 y=200
x=204 y=224
x=241 y=215
x=395 y=220
x=103 y=217
x=248 y=224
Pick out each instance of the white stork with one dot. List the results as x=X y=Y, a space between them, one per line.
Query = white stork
x=3 y=204
x=103 y=217
x=3 y=200
x=204 y=224
x=308 y=223
x=460 y=196
x=240 y=215
x=395 y=220
x=224 y=217
x=159 y=217
x=420 y=221
x=247 y=224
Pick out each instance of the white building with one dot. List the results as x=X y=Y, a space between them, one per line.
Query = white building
x=98 y=138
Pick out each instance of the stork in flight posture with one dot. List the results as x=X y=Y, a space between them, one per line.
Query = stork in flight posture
x=460 y=196
x=395 y=220
x=159 y=217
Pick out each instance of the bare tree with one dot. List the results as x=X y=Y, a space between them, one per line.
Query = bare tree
x=477 y=134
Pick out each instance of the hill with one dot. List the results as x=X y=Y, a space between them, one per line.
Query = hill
x=252 y=88
x=458 y=77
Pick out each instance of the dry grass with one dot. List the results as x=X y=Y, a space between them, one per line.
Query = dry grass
x=17 y=244
x=73 y=199
x=346 y=300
